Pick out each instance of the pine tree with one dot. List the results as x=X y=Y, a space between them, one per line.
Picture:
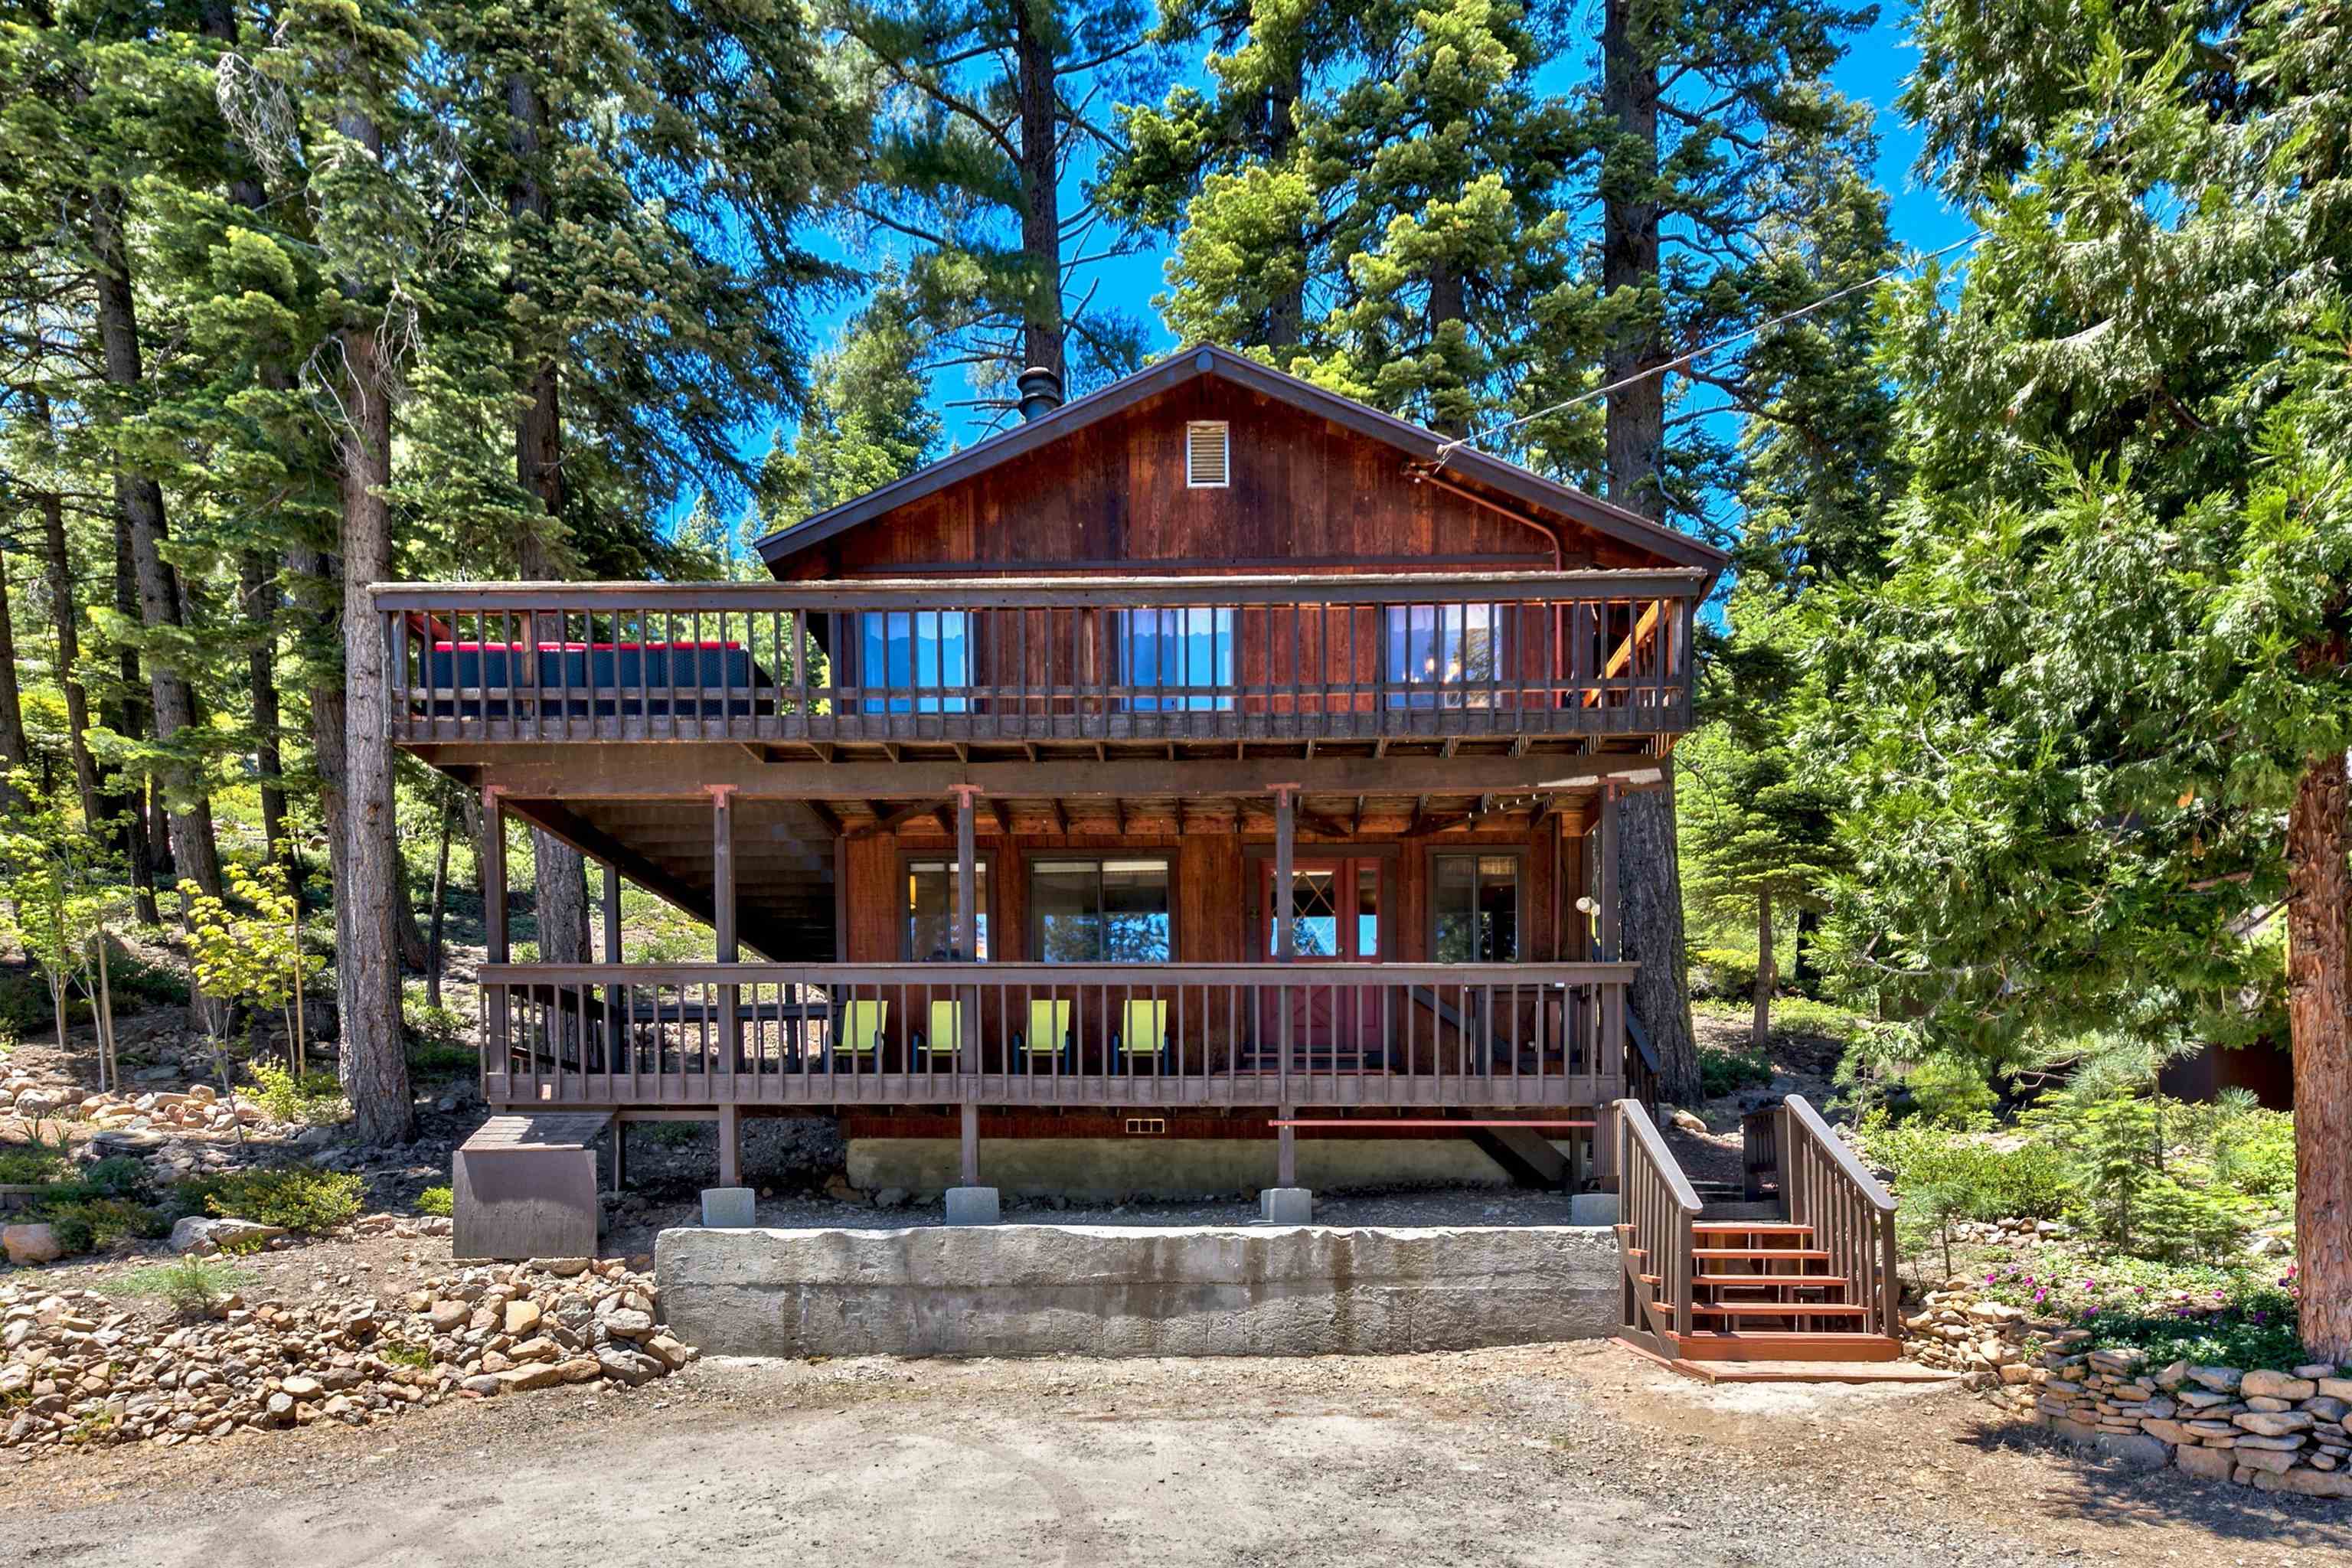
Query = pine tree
x=2094 y=724
x=868 y=420
x=983 y=112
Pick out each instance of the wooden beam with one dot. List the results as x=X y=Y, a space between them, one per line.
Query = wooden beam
x=892 y=820
x=722 y=873
x=625 y=771
x=494 y=875
x=826 y=814
x=967 y=945
x=1284 y=892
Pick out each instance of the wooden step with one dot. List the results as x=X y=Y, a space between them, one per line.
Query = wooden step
x=1762 y=1369
x=1781 y=1309
x=1751 y=1227
x=1809 y=1254
x=1804 y=1282
x=1723 y=1344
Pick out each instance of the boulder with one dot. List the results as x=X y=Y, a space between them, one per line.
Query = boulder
x=538 y=1374
x=627 y=1366
x=2273 y=1423
x=2219 y=1379
x=204 y=1235
x=626 y=1324
x=26 y=1245
x=2206 y=1464
x=2132 y=1450
x=2304 y=1483
x=523 y=1318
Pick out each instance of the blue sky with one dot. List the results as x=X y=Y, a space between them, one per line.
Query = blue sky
x=1872 y=73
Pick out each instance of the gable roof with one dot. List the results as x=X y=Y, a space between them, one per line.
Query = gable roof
x=1462 y=462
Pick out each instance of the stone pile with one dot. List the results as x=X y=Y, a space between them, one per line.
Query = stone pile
x=199 y=1108
x=1958 y=1331
x=79 y=1369
x=2280 y=1431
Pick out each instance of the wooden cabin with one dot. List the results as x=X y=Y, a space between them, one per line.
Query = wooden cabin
x=1211 y=757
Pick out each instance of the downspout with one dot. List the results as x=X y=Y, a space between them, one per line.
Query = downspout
x=1427 y=474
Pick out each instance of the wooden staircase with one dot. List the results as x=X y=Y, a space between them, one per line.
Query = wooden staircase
x=1800 y=1277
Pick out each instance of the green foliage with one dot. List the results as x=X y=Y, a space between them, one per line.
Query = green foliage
x=402 y=1354
x=2240 y=1316
x=1965 y=1176
x=253 y=953
x=306 y=1202
x=1722 y=974
x=1722 y=1071
x=1952 y=1092
x=30 y=1166
x=2113 y=1145
x=191 y=1286
x=95 y=1223
x=313 y=1098
x=434 y=1201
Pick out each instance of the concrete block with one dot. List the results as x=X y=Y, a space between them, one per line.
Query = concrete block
x=727 y=1208
x=1287 y=1206
x=1108 y=1169
x=1118 y=1291
x=971 y=1205
x=1593 y=1208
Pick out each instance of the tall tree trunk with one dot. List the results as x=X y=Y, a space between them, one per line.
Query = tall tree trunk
x=129 y=720
x=13 y=753
x=257 y=581
x=1759 y=1032
x=194 y=853
x=1802 y=965
x=321 y=577
x=1651 y=876
x=2319 y=1010
x=374 y=1066
x=560 y=896
x=65 y=617
x=440 y=905
x=1285 y=316
x=1040 y=200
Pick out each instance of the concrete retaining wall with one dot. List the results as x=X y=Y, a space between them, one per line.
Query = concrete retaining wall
x=1111 y=1168
x=1041 y=1290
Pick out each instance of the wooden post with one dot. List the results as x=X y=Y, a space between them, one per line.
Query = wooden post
x=616 y=1024
x=1609 y=928
x=722 y=908
x=497 y=1021
x=1286 y=1151
x=967 y=876
x=1284 y=893
x=612 y=913
x=730 y=1145
x=971 y=1166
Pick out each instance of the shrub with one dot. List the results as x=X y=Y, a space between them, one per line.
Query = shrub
x=90 y=1224
x=436 y=1201
x=1722 y=1072
x=1722 y=974
x=2113 y=1147
x=2241 y=1317
x=306 y=1202
x=1978 y=1180
x=442 y=1059
x=31 y=1166
x=314 y=1098
x=193 y=1287
x=1950 y=1093
x=1803 y=1017
x=399 y=1352
x=117 y=1176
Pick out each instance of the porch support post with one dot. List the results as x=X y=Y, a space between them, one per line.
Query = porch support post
x=497 y=1021
x=966 y=875
x=1285 y=798
x=731 y=1146
x=730 y=1022
x=1286 y=1151
x=1608 y=933
x=970 y=1152
x=612 y=913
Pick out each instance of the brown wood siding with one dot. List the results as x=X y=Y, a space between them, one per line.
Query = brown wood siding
x=1306 y=495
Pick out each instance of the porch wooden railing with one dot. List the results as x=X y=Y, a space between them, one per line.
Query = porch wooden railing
x=1082 y=659
x=1759 y=1155
x=1181 y=1034
x=1657 y=1208
x=1823 y=1185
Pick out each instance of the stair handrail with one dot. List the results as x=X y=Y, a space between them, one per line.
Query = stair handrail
x=1825 y=1186
x=1657 y=1200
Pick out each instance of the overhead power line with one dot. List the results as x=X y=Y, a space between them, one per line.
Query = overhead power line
x=1695 y=355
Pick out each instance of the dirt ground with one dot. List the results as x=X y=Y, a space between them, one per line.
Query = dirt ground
x=1557 y=1454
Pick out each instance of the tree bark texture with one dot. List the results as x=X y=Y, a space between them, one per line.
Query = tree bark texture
x=13 y=751
x=257 y=582
x=57 y=567
x=374 y=1068
x=2319 y=1010
x=560 y=895
x=1041 y=201
x=128 y=719
x=1651 y=876
x=1759 y=1032
x=195 y=854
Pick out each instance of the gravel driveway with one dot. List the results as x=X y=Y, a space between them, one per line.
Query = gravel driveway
x=1564 y=1453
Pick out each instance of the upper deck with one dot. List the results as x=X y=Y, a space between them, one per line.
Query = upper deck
x=1029 y=668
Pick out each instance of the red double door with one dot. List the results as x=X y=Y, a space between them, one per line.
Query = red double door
x=1335 y=917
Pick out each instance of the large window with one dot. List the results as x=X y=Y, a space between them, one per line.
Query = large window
x=1475 y=905
x=1446 y=655
x=1176 y=651
x=907 y=657
x=930 y=911
x=1101 y=911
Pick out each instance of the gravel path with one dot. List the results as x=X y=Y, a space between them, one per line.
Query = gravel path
x=1545 y=1455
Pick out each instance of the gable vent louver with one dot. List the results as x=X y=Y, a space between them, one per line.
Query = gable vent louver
x=1208 y=452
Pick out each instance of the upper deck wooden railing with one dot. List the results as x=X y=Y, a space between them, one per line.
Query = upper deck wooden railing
x=1053 y=1034
x=1075 y=659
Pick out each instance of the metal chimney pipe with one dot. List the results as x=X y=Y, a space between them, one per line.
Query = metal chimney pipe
x=1040 y=393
